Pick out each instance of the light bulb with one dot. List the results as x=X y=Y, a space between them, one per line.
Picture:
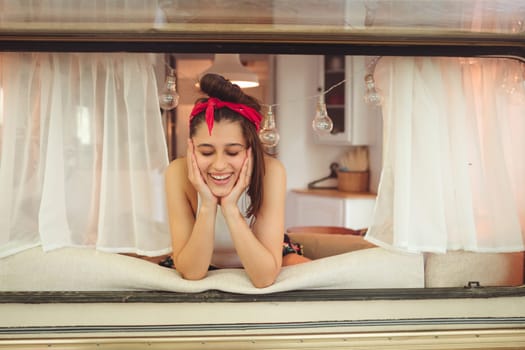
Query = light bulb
x=268 y=134
x=517 y=26
x=513 y=83
x=322 y=123
x=168 y=97
x=372 y=95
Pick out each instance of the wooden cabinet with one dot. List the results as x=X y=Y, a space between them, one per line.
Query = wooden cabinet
x=329 y=208
x=353 y=119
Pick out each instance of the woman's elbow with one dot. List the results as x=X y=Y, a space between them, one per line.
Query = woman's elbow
x=189 y=271
x=193 y=275
x=263 y=283
x=265 y=280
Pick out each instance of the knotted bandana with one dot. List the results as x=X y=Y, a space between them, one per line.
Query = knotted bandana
x=213 y=103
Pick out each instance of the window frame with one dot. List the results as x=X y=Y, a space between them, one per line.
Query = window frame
x=391 y=43
x=264 y=39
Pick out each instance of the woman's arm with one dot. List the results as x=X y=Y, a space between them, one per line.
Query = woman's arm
x=192 y=237
x=260 y=247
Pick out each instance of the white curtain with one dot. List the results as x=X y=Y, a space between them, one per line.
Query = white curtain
x=82 y=153
x=453 y=173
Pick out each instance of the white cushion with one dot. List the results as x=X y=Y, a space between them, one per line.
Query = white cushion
x=82 y=269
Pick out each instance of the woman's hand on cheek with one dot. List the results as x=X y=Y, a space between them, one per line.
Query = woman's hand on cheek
x=242 y=182
x=195 y=177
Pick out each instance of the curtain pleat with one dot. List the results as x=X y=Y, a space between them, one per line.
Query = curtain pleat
x=83 y=154
x=452 y=175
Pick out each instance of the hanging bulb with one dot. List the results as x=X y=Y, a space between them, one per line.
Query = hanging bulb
x=268 y=134
x=168 y=97
x=372 y=95
x=517 y=26
x=322 y=124
x=513 y=83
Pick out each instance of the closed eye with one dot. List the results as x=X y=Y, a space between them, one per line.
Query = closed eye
x=233 y=150
x=206 y=150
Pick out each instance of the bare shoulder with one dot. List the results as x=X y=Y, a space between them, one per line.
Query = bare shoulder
x=177 y=182
x=177 y=167
x=176 y=174
x=274 y=168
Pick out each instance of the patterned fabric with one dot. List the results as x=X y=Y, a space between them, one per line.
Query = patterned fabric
x=168 y=262
x=214 y=103
x=289 y=247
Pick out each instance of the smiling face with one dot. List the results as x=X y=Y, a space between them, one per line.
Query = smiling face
x=220 y=156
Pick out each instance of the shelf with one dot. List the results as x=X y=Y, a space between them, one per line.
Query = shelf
x=335 y=71
x=335 y=193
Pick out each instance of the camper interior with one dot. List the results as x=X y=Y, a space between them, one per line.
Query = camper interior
x=400 y=125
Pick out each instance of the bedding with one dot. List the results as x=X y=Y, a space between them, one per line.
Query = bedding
x=85 y=269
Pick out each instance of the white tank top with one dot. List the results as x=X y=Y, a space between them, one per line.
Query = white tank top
x=224 y=253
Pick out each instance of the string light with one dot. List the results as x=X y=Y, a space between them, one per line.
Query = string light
x=514 y=81
x=322 y=124
x=373 y=95
x=268 y=134
x=168 y=97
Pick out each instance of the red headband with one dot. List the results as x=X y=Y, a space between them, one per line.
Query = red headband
x=212 y=103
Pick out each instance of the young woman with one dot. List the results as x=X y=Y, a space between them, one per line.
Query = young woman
x=226 y=198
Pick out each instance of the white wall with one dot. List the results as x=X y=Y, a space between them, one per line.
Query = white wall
x=296 y=80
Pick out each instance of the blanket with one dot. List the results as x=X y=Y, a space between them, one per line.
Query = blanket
x=83 y=269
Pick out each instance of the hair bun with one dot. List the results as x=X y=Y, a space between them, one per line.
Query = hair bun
x=215 y=85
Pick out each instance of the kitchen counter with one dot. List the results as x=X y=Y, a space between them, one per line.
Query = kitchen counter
x=329 y=207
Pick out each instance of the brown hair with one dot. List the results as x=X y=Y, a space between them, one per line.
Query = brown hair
x=217 y=86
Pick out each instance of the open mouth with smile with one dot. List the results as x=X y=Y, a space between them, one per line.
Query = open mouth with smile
x=220 y=179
